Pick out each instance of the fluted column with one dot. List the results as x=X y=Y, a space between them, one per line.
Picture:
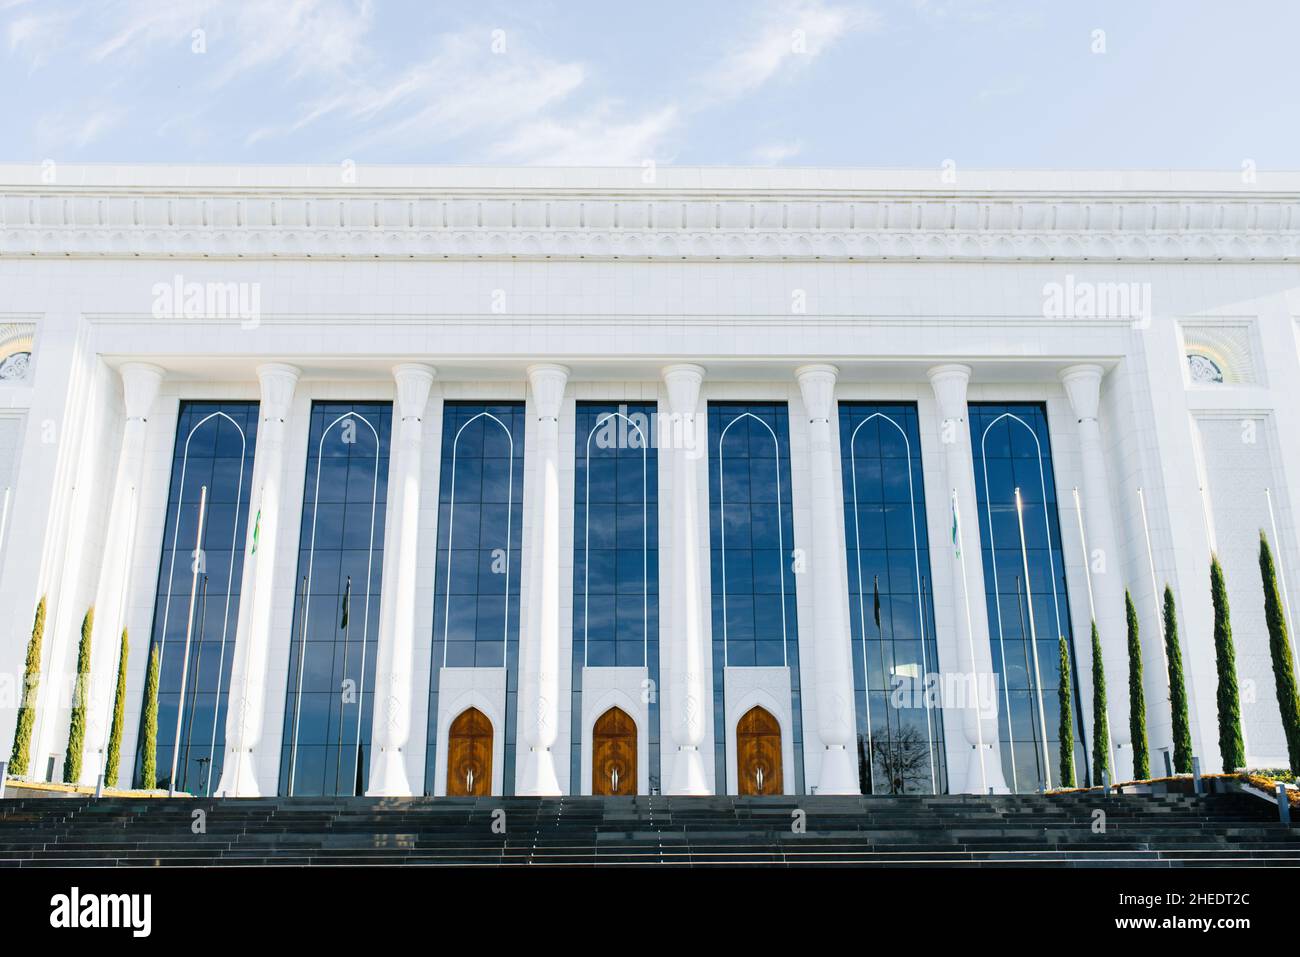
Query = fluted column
x=690 y=696
x=974 y=657
x=832 y=647
x=540 y=682
x=394 y=658
x=247 y=698
x=1083 y=387
x=140 y=383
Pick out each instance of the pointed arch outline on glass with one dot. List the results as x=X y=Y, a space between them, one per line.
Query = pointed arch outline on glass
x=997 y=594
x=230 y=577
x=920 y=598
x=645 y=540
x=451 y=531
x=306 y=608
x=780 y=533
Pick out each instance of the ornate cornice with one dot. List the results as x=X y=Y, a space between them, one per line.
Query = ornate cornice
x=824 y=215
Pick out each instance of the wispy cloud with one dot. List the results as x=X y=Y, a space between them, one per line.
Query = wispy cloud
x=787 y=36
x=58 y=131
x=337 y=82
x=774 y=154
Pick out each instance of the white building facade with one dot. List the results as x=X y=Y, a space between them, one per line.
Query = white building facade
x=683 y=481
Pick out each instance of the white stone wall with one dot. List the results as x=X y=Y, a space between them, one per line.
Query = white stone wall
x=749 y=287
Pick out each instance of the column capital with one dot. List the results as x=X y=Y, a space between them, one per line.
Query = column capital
x=414 y=380
x=548 y=381
x=278 y=380
x=817 y=385
x=1082 y=384
x=683 y=380
x=949 y=382
x=140 y=381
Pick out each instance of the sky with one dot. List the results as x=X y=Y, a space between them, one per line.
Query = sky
x=1149 y=84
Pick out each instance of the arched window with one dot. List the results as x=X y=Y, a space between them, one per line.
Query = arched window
x=755 y=623
x=1024 y=581
x=615 y=555
x=328 y=704
x=476 y=584
x=213 y=452
x=896 y=670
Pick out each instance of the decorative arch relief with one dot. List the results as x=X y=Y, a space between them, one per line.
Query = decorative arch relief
x=16 y=352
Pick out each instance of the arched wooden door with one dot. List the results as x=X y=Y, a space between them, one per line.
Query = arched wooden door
x=613 y=753
x=758 y=753
x=469 y=754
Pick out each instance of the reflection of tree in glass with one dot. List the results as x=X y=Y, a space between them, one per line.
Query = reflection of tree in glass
x=902 y=759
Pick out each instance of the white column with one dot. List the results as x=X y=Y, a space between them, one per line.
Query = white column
x=832 y=645
x=140 y=383
x=247 y=697
x=974 y=657
x=1083 y=386
x=539 y=682
x=394 y=658
x=690 y=698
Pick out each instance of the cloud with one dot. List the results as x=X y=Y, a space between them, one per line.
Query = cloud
x=774 y=154
x=57 y=132
x=592 y=139
x=789 y=35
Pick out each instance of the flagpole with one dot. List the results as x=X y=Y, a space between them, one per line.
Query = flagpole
x=198 y=671
x=1092 y=609
x=1033 y=640
x=347 y=628
x=1281 y=572
x=297 y=702
x=866 y=683
x=189 y=631
x=880 y=635
x=1155 y=587
x=970 y=641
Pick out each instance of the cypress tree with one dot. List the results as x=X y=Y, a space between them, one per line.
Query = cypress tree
x=77 y=726
x=1279 y=647
x=149 y=749
x=1137 y=706
x=1231 y=748
x=1067 y=720
x=1100 y=733
x=1177 y=690
x=119 y=716
x=20 y=757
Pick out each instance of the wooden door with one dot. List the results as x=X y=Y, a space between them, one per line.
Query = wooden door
x=758 y=753
x=613 y=754
x=469 y=754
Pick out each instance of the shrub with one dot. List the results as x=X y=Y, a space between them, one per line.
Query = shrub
x=1137 y=707
x=149 y=746
x=1279 y=646
x=1067 y=720
x=119 y=715
x=20 y=757
x=1177 y=690
x=1231 y=749
x=77 y=726
x=1100 y=735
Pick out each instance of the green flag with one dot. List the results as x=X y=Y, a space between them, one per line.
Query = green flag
x=257 y=528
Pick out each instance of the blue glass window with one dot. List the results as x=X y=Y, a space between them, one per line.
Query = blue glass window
x=615 y=554
x=895 y=661
x=1012 y=453
x=476 y=592
x=751 y=543
x=328 y=702
x=214 y=450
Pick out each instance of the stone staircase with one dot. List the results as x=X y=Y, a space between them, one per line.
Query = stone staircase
x=961 y=830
